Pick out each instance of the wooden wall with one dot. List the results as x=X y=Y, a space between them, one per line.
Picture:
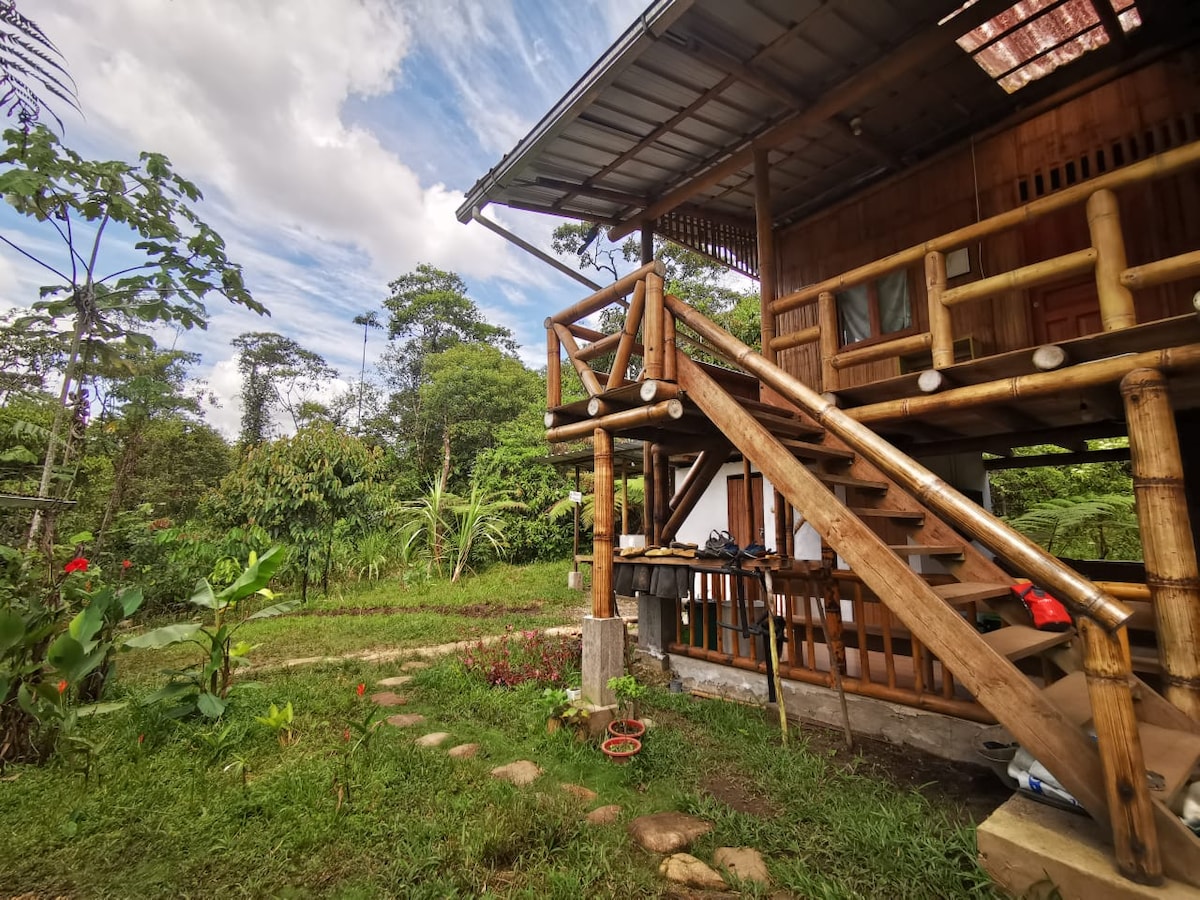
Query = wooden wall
x=1143 y=112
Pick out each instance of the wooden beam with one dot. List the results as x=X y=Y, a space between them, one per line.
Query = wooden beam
x=766 y=249
x=1116 y=454
x=626 y=345
x=603 y=297
x=602 y=524
x=587 y=190
x=626 y=418
x=1003 y=443
x=591 y=383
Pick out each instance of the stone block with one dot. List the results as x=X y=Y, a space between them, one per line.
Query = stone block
x=656 y=624
x=603 y=658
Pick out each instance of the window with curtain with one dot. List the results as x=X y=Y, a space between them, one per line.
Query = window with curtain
x=872 y=310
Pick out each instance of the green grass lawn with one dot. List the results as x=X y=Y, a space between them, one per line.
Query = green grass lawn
x=167 y=812
x=386 y=614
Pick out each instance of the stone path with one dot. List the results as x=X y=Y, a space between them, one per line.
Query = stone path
x=669 y=834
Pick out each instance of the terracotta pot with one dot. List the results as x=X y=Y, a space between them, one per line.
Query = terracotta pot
x=626 y=728
x=620 y=749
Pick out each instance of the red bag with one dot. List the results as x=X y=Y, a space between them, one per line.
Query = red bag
x=1047 y=612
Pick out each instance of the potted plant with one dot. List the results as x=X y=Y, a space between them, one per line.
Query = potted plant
x=620 y=749
x=560 y=711
x=629 y=694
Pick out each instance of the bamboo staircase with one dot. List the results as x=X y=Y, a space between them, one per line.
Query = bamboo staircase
x=1144 y=749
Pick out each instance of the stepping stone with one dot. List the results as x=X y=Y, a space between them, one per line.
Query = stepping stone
x=683 y=868
x=406 y=720
x=395 y=681
x=603 y=815
x=388 y=698
x=520 y=773
x=433 y=739
x=745 y=863
x=463 y=751
x=667 y=832
x=580 y=792
x=414 y=665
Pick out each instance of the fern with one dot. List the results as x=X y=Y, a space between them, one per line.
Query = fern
x=30 y=69
x=1090 y=525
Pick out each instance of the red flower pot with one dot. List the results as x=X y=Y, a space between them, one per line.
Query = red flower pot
x=626 y=728
x=620 y=749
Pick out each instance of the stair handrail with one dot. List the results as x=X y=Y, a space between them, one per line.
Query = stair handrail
x=1077 y=592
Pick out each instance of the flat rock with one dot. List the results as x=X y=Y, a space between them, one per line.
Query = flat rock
x=463 y=751
x=683 y=868
x=603 y=815
x=388 y=698
x=414 y=665
x=433 y=739
x=406 y=720
x=745 y=863
x=579 y=791
x=394 y=681
x=667 y=832
x=520 y=773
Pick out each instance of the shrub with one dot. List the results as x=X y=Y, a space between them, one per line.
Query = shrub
x=531 y=657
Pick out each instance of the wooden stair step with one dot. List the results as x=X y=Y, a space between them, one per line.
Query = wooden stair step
x=809 y=450
x=960 y=593
x=782 y=426
x=915 y=516
x=1019 y=641
x=1171 y=754
x=927 y=549
x=851 y=482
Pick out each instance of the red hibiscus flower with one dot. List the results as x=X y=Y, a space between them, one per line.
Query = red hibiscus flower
x=78 y=564
x=125 y=564
x=361 y=688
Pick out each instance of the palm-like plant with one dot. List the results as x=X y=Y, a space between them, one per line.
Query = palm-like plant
x=431 y=519
x=30 y=69
x=477 y=521
x=587 y=509
x=1090 y=525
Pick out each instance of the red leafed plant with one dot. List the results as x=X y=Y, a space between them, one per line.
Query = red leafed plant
x=529 y=656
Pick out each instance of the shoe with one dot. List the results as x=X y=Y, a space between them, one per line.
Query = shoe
x=721 y=544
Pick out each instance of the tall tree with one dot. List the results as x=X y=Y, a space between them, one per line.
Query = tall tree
x=88 y=207
x=367 y=320
x=277 y=375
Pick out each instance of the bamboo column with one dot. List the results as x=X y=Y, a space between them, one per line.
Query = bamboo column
x=648 y=493
x=766 y=248
x=652 y=328
x=1130 y=810
x=591 y=383
x=662 y=493
x=553 y=370
x=941 y=328
x=1172 y=573
x=670 y=372
x=1104 y=223
x=828 y=340
x=625 y=499
x=633 y=321
x=602 y=525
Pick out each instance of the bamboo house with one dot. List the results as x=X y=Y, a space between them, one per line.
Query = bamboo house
x=975 y=228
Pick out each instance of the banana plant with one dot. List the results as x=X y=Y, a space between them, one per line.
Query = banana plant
x=204 y=687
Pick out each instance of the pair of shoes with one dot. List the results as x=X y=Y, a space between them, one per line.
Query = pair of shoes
x=720 y=545
x=631 y=552
x=659 y=551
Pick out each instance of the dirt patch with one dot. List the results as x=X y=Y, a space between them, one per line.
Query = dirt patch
x=974 y=791
x=738 y=794
x=470 y=611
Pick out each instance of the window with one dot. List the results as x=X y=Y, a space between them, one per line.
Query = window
x=872 y=310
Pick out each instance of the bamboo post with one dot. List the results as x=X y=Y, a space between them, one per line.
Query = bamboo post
x=648 y=491
x=766 y=247
x=747 y=498
x=1130 y=809
x=633 y=321
x=827 y=316
x=1172 y=573
x=652 y=327
x=625 y=418
x=591 y=383
x=602 y=525
x=603 y=297
x=662 y=491
x=669 y=368
x=1104 y=223
x=834 y=645
x=553 y=370
x=575 y=523
x=625 y=499
x=941 y=327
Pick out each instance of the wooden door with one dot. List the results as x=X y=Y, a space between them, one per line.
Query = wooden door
x=1067 y=311
x=746 y=526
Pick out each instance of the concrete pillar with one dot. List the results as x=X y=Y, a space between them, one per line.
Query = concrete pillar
x=603 y=658
x=656 y=623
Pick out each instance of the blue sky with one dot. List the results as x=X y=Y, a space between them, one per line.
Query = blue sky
x=333 y=140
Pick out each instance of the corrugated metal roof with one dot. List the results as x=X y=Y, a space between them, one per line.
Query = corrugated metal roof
x=694 y=84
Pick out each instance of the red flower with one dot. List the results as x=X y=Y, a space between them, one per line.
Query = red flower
x=125 y=564
x=361 y=689
x=78 y=564
x=62 y=685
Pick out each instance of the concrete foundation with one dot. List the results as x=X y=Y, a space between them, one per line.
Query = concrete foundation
x=1036 y=851
x=575 y=581
x=656 y=624
x=943 y=736
x=603 y=658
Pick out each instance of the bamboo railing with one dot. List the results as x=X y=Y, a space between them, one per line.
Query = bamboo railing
x=1115 y=280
